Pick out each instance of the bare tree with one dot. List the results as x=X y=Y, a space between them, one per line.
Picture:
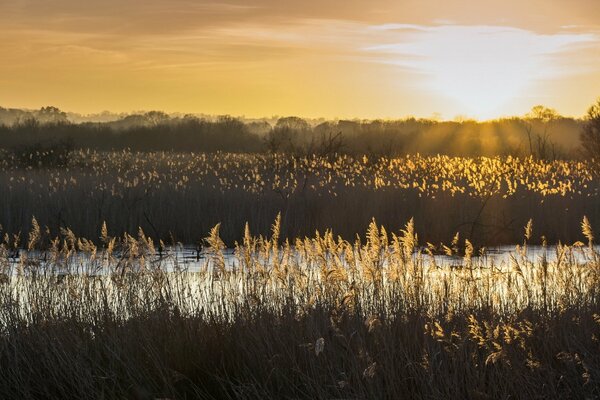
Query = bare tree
x=329 y=146
x=590 y=135
x=540 y=145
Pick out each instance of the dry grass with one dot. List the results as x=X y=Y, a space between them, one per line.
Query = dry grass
x=318 y=317
x=182 y=195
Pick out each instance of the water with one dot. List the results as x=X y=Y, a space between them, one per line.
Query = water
x=191 y=259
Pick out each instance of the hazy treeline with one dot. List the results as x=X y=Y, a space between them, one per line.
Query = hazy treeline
x=542 y=133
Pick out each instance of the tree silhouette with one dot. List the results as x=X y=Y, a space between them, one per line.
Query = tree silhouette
x=540 y=145
x=51 y=114
x=590 y=134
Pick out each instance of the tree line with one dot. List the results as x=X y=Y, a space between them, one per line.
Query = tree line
x=542 y=134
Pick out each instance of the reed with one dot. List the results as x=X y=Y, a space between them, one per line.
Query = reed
x=313 y=317
x=181 y=196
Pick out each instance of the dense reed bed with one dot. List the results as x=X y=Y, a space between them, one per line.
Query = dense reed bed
x=180 y=196
x=318 y=317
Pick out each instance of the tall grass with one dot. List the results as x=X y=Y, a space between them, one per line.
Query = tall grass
x=180 y=196
x=316 y=317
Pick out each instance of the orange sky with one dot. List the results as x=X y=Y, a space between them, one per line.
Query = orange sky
x=310 y=58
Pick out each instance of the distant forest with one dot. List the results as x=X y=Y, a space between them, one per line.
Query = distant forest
x=542 y=133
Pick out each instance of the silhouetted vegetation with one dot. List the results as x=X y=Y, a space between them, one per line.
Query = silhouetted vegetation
x=542 y=134
x=590 y=136
x=185 y=134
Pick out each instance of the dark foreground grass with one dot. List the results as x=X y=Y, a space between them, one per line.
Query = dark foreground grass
x=163 y=354
x=323 y=318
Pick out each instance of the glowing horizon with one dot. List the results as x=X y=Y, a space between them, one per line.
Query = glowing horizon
x=316 y=60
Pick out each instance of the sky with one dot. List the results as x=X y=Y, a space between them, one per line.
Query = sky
x=312 y=58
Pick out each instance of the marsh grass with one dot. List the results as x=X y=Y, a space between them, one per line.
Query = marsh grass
x=181 y=196
x=317 y=317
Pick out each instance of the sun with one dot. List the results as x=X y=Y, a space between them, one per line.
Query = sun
x=481 y=68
